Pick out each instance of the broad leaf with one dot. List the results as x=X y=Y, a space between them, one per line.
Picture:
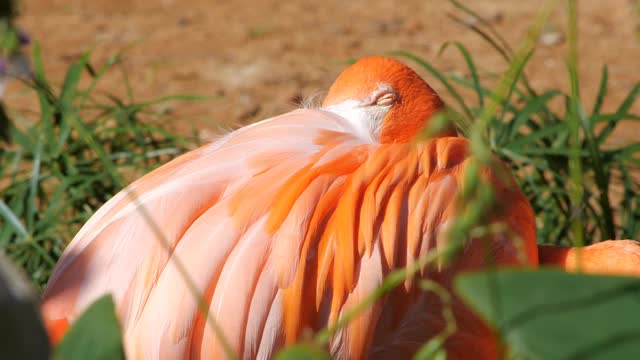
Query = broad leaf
x=548 y=314
x=95 y=335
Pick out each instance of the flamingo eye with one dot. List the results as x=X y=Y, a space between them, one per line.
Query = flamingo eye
x=385 y=99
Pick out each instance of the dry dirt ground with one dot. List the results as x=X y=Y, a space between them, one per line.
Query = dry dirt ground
x=263 y=55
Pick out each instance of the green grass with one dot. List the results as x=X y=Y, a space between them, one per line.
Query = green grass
x=561 y=157
x=80 y=150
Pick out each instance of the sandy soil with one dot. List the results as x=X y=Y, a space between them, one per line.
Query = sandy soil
x=262 y=56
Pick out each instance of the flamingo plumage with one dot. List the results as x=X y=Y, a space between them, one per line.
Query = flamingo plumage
x=286 y=224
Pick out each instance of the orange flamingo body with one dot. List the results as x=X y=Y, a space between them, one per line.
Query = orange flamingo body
x=612 y=257
x=286 y=224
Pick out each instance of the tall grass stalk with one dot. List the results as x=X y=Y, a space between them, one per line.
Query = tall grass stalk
x=576 y=190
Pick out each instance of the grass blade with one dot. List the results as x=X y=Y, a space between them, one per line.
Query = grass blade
x=619 y=114
x=12 y=219
x=576 y=188
x=470 y=64
x=602 y=91
x=32 y=206
x=68 y=92
x=534 y=106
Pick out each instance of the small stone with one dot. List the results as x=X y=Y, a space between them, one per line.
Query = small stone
x=355 y=44
x=414 y=26
x=551 y=38
x=184 y=21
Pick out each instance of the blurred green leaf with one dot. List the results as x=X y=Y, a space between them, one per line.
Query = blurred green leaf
x=302 y=352
x=432 y=350
x=550 y=314
x=94 y=335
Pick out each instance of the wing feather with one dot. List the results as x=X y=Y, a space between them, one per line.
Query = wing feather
x=282 y=226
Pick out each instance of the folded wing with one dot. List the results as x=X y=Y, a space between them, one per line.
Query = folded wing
x=279 y=226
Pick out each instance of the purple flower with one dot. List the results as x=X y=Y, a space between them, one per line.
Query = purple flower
x=23 y=38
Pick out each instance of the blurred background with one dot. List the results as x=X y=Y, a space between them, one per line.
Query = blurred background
x=261 y=57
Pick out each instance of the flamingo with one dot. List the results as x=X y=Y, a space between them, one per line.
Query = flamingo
x=285 y=225
x=611 y=257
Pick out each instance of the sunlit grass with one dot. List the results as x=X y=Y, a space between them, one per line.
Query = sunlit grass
x=561 y=157
x=80 y=151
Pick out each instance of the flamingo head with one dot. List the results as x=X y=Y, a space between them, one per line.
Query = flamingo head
x=385 y=100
